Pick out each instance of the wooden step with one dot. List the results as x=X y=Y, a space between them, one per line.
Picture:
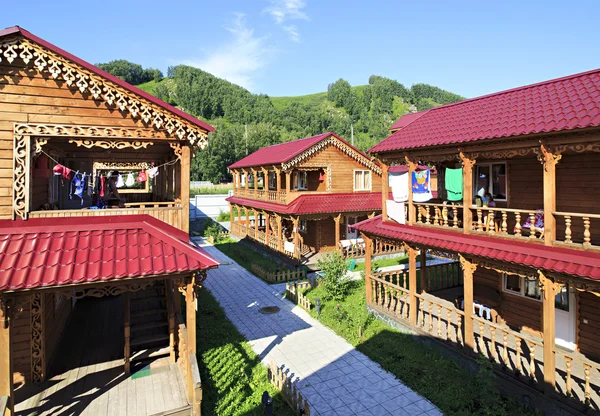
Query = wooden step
x=149 y=325
x=146 y=312
x=149 y=339
x=150 y=353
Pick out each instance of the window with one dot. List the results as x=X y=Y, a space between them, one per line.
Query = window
x=362 y=180
x=272 y=180
x=300 y=180
x=490 y=177
x=518 y=285
x=561 y=301
x=302 y=226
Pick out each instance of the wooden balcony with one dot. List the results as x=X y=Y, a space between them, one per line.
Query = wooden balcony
x=172 y=213
x=277 y=197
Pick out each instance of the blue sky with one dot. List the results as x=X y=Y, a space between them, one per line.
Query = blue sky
x=295 y=47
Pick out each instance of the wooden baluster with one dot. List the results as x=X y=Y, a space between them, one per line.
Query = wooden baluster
x=423 y=306
x=459 y=337
x=587 y=235
x=455 y=216
x=531 y=346
x=532 y=232
x=439 y=321
x=587 y=393
x=504 y=223
x=430 y=317
x=518 y=224
x=427 y=215
x=481 y=345
x=568 y=229
x=490 y=222
x=445 y=215
x=373 y=292
x=493 y=342
x=437 y=216
x=505 y=348
x=518 y=359
x=568 y=385
x=479 y=219
x=449 y=324
x=419 y=216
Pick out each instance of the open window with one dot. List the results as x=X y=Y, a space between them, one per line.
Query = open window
x=362 y=180
x=272 y=180
x=300 y=180
x=521 y=286
x=492 y=178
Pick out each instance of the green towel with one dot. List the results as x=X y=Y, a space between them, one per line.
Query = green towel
x=454 y=184
x=352 y=265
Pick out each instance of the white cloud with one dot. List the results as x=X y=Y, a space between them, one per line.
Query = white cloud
x=284 y=11
x=239 y=60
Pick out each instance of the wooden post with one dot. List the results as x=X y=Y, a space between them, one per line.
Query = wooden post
x=423 y=269
x=6 y=372
x=267 y=226
x=247 y=181
x=127 y=331
x=279 y=234
x=296 y=222
x=368 y=254
x=412 y=213
x=190 y=313
x=185 y=187
x=549 y=290
x=171 y=312
x=255 y=179
x=549 y=161
x=336 y=218
x=247 y=212
x=385 y=190
x=467 y=165
x=231 y=217
x=468 y=271
x=412 y=285
x=278 y=174
x=256 y=221
x=288 y=182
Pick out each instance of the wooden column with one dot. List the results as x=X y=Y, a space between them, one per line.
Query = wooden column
x=190 y=313
x=549 y=290
x=127 y=331
x=368 y=255
x=412 y=213
x=171 y=312
x=288 y=182
x=279 y=234
x=247 y=218
x=412 y=285
x=337 y=218
x=296 y=222
x=549 y=161
x=185 y=187
x=385 y=190
x=423 y=269
x=278 y=174
x=468 y=271
x=247 y=181
x=256 y=221
x=265 y=173
x=255 y=179
x=267 y=226
x=467 y=165
x=231 y=217
x=6 y=371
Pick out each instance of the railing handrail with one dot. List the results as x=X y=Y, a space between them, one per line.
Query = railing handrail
x=431 y=204
x=576 y=214
x=385 y=282
x=69 y=211
x=496 y=209
x=502 y=327
x=428 y=298
x=575 y=356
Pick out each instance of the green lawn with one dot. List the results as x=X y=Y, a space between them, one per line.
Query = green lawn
x=435 y=376
x=246 y=257
x=233 y=378
x=384 y=263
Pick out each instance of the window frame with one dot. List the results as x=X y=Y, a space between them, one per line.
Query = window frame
x=363 y=179
x=521 y=292
x=490 y=172
x=272 y=181
x=302 y=226
x=297 y=180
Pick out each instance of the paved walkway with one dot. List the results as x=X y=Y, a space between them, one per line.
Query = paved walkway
x=335 y=378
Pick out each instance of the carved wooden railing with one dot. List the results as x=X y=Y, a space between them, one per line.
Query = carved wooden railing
x=284 y=275
x=293 y=291
x=259 y=194
x=379 y=248
x=442 y=276
x=389 y=292
x=577 y=377
x=506 y=222
x=172 y=214
x=439 y=215
x=261 y=237
x=282 y=197
x=188 y=364
x=577 y=229
x=285 y=384
x=241 y=192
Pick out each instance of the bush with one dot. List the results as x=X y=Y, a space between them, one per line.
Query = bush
x=334 y=282
x=214 y=230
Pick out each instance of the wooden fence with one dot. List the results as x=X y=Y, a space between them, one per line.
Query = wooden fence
x=288 y=389
x=293 y=291
x=279 y=276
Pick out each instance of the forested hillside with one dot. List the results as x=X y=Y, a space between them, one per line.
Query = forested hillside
x=245 y=122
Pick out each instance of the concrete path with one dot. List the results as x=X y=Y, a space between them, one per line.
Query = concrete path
x=335 y=378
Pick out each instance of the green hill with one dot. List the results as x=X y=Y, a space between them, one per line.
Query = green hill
x=245 y=122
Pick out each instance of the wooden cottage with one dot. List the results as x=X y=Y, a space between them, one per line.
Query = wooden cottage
x=517 y=206
x=94 y=244
x=305 y=196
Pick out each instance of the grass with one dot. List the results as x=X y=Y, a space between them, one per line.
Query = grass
x=384 y=263
x=246 y=257
x=220 y=189
x=233 y=378
x=433 y=375
x=320 y=97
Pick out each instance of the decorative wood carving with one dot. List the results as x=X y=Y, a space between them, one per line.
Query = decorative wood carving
x=99 y=88
x=110 y=290
x=21 y=163
x=507 y=268
x=556 y=286
x=547 y=157
x=108 y=144
x=327 y=168
x=466 y=265
x=69 y=130
x=467 y=161
x=120 y=165
x=37 y=338
x=177 y=150
x=39 y=143
x=332 y=140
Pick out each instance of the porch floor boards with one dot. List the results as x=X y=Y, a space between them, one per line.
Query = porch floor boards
x=87 y=375
x=484 y=346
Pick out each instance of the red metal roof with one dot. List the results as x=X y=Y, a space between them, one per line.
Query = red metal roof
x=406 y=119
x=283 y=152
x=104 y=74
x=47 y=252
x=568 y=103
x=318 y=203
x=561 y=260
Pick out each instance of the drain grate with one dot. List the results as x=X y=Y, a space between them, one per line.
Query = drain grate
x=269 y=309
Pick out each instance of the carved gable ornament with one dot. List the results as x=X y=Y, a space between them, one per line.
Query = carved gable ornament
x=101 y=89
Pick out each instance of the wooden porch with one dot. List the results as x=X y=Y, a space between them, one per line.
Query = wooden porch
x=87 y=376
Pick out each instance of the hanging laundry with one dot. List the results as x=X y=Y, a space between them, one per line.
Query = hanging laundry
x=79 y=185
x=89 y=188
x=120 y=182
x=153 y=172
x=62 y=170
x=74 y=183
x=142 y=176
x=321 y=175
x=102 y=185
x=399 y=185
x=420 y=186
x=454 y=184
x=130 y=180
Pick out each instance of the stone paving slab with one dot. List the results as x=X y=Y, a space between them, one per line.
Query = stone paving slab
x=331 y=374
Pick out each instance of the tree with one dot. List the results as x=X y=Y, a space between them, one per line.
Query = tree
x=130 y=72
x=339 y=92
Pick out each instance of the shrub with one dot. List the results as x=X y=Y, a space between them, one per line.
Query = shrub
x=334 y=282
x=214 y=230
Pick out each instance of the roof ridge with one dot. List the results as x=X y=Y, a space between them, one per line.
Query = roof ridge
x=520 y=88
x=296 y=140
